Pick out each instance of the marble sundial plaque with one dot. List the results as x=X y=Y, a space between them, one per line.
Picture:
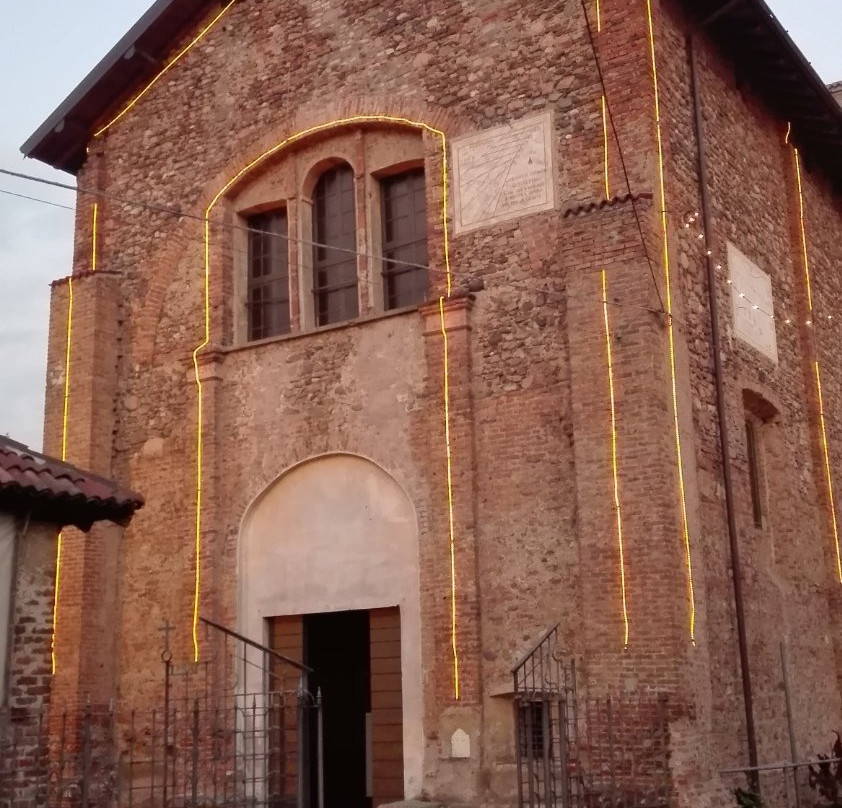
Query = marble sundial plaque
x=503 y=173
x=752 y=304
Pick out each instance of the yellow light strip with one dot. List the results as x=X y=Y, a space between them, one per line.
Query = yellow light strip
x=605 y=147
x=685 y=530
x=67 y=345
x=817 y=369
x=614 y=470
x=94 y=217
x=803 y=232
x=166 y=67
x=598 y=18
x=270 y=152
x=453 y=626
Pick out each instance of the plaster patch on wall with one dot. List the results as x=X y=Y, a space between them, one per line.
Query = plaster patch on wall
x=503 y=173
x=752 y=304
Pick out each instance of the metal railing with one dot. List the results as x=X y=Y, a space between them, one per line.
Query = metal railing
x=575 y=751
x=788 y=785
x=239 y=729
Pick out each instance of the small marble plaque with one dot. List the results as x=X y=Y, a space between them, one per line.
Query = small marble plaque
x=753 y=307
x=503 y=173
x=460 y=744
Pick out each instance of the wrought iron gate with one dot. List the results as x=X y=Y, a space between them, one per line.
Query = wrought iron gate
x=585 y=752
x=241 y=728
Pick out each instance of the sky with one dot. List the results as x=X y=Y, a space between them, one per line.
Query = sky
x=46 y=48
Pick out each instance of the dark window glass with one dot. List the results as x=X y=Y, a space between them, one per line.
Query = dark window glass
x=334 y=259
x=268 y=279
x=404 y=239
x=754 y=473
x=535 y=729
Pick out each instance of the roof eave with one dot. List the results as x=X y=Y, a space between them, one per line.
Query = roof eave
x=71 y=156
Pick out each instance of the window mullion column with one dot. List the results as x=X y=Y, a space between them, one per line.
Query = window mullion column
x=294 y=253
x=360 y=194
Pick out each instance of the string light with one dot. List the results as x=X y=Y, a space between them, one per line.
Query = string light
x=59 y=541
x=670 y=326
x=257 y=161
x=94 y=216
x=598 y=19
x=614 y=467
x=453 y=625
x=195 y=41
x=802 y=230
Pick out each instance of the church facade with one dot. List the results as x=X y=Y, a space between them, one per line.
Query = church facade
x=423 y=332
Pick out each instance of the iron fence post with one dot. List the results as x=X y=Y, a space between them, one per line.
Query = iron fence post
x=301 y=769
x=86 y=754
x=320 y=749
x=563 y=753
x=166 y=656
x=194 y=784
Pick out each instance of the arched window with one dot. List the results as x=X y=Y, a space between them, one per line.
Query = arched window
x=334 y=257
x=404 y=223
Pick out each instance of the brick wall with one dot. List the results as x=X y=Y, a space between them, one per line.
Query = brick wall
x=534 y=517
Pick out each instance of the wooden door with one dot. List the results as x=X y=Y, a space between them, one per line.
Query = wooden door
x=386 y=706
x=286 y=636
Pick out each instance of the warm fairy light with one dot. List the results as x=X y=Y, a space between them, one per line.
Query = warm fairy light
x=816 y=368
x=598 y=18
x=94 y=217
x=614 y=469
x=166 y=67
x=67 y=345
x=803 y=231
x=670 y=328
x=453 y=632
x=829 y=476
x=605 y=147
x=261 y=158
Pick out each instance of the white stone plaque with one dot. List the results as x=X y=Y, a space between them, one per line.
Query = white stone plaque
x=460 y=744
x=751 y=299
x=504 y=173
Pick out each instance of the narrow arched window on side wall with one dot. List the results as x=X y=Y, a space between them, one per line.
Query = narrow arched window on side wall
x=404 y=212
x=334 y=257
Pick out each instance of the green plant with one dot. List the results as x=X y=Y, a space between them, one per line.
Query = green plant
x=826 y=775
x=747 y=799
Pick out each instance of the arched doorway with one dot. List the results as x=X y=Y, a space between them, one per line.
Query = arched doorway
x=328 y=573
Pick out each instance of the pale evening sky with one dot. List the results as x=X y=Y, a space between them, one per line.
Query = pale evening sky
x=46 y=48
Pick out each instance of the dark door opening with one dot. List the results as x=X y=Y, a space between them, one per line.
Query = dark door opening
x=336 y=646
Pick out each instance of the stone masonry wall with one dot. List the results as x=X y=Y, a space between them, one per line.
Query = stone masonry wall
x=533 y=500
x=791 y=588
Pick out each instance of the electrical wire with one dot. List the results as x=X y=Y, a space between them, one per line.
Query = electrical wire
x=466 y=278
x=621 y=155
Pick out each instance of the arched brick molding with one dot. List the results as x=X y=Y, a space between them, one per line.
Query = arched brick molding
x=307 y=117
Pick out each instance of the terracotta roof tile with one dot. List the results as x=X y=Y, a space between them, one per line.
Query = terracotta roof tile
x=60 y=492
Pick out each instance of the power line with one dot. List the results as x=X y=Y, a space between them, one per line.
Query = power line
x=468 y=279
x=36 y=199
x=184 y=215
x=621 y=153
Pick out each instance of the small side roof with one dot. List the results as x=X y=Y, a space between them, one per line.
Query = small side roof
x=58 y=492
